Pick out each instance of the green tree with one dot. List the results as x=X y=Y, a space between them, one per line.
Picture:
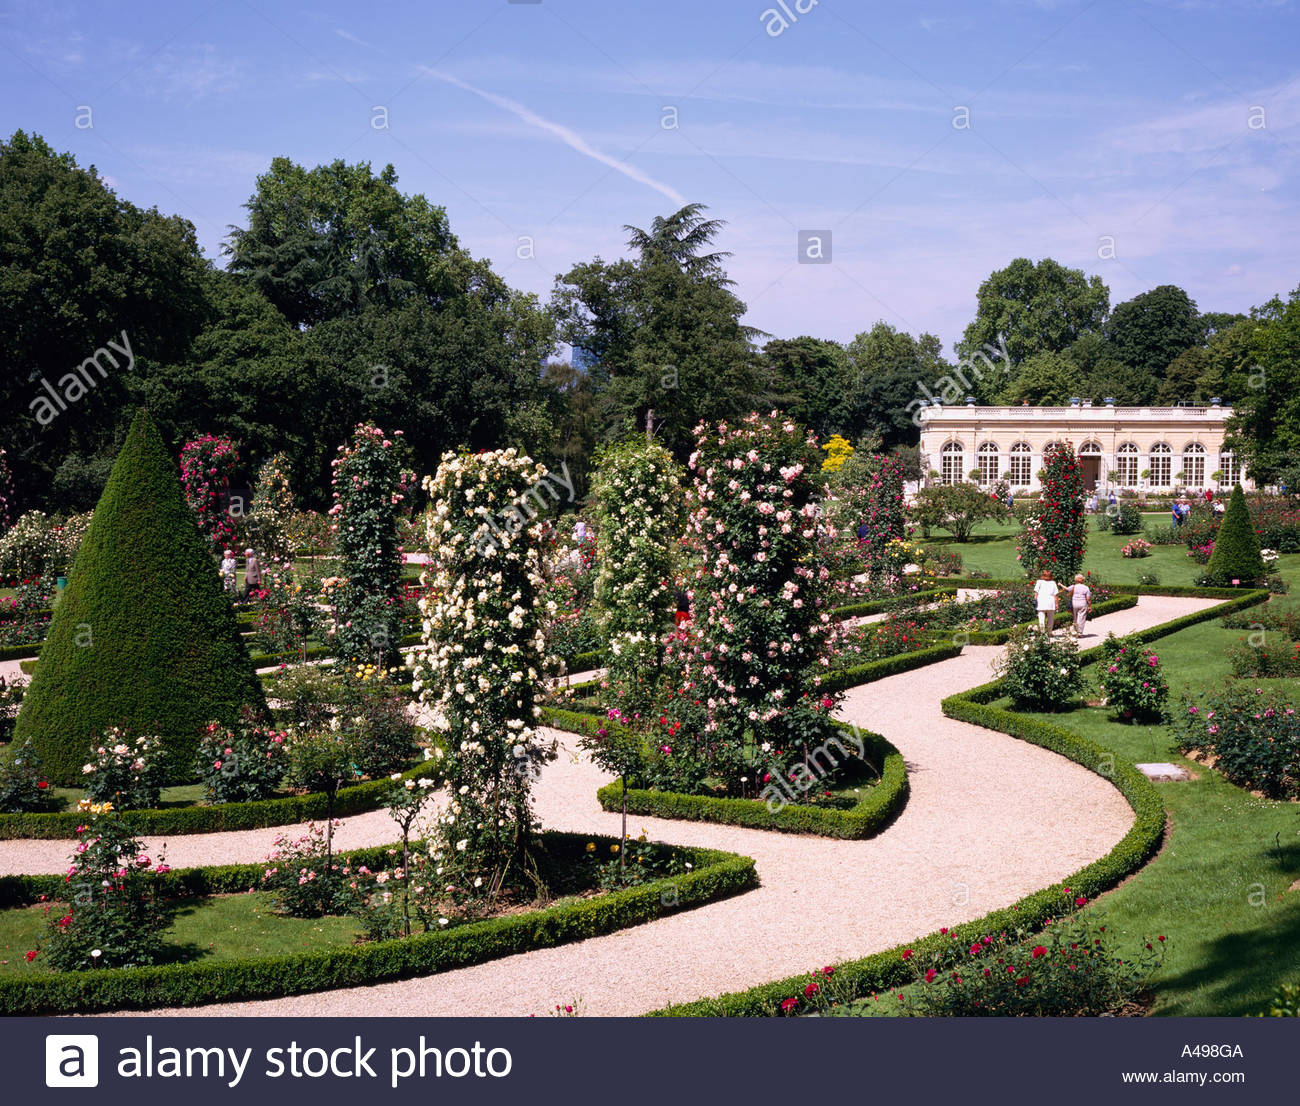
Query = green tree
x=1230 y=363
x=883 y=388
x=807 y=377
x=391 y=319
x=1236 y=559
x=80 y=267
x=1183 y=376
x=663 y=330
x=337 y=239
x=463 y=374
x=251 y=375
x=1147 y=332
x=1033 y=308
x=1102 y=376
x=1266 y=415
x=144 y=637
x=1043 y=379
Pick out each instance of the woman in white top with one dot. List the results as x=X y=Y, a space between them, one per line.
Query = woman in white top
x=1045 y=592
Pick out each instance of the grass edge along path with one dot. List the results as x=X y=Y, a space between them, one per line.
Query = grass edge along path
x=716 y=875
x=885 y=970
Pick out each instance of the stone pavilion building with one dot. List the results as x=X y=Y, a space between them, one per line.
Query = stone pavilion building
x=1136 y=449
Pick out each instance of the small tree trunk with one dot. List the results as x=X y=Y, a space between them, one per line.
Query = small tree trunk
x=406 y=880
x=329 y=833
x=622 y=845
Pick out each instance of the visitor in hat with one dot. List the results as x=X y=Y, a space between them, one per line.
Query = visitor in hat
x=228 y=568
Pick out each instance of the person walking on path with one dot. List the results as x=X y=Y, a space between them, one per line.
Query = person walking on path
x=252 y=572
x=1080 y=602
x=1045 y=593
x=228 y=570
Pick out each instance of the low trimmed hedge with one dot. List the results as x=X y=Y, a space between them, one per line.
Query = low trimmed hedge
x=20 y=652
x=877 y=606
x=871 y=671
x=179 y=821
x=879 y=805
x=715 y=876
x=885 y=970
x=585 y=662
x=878 y=808
x=1001 y=637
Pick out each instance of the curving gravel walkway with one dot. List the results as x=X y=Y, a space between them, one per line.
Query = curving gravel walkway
x=989 y=820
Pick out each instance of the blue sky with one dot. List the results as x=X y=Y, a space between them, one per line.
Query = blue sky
x=554 y=121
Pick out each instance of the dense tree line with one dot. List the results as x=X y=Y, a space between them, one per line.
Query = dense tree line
x=346 y=300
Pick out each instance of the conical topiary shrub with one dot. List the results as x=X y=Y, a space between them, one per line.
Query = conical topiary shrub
x=143 y=638
x=1236 y=560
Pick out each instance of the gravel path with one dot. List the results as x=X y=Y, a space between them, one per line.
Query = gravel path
x=990 y=819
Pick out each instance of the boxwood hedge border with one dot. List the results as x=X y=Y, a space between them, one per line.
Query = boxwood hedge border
x=715 y=875
x=879 y=806
x=885 y=970
x=184 y=820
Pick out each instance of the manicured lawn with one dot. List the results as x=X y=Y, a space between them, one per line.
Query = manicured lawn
x=992 y=549
x=224 y=927
x=1219 y=889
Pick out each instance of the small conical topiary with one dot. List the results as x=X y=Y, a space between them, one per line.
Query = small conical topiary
x=144 y=637
x=1236 y=560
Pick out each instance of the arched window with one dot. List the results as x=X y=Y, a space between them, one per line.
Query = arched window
x=1021 y=462
x=950 y=465
x=1194 y=465
x=987 y=460
x=1161 y=470
x=1230 y=467
x=1126 y=465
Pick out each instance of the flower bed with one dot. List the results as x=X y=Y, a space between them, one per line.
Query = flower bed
x=884 y=970
x=714 y=875
x=1252 y=737
x=875 y=641
x=176 y=821
x=879 y=804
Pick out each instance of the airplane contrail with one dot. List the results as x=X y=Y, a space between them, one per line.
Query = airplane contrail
x=570 y=138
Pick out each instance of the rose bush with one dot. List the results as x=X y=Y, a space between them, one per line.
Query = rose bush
x=23 y=786
x=1041 y=671
x=243 y=763
x=369 y=487
x=482 y=659
x=1252 y=736
x=639 y=511
x=207 y=464
x=271 y=512
x=127 y=772
x=1130 y=680
x=762 y=620
x=1054 y=533
x=112 y=917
